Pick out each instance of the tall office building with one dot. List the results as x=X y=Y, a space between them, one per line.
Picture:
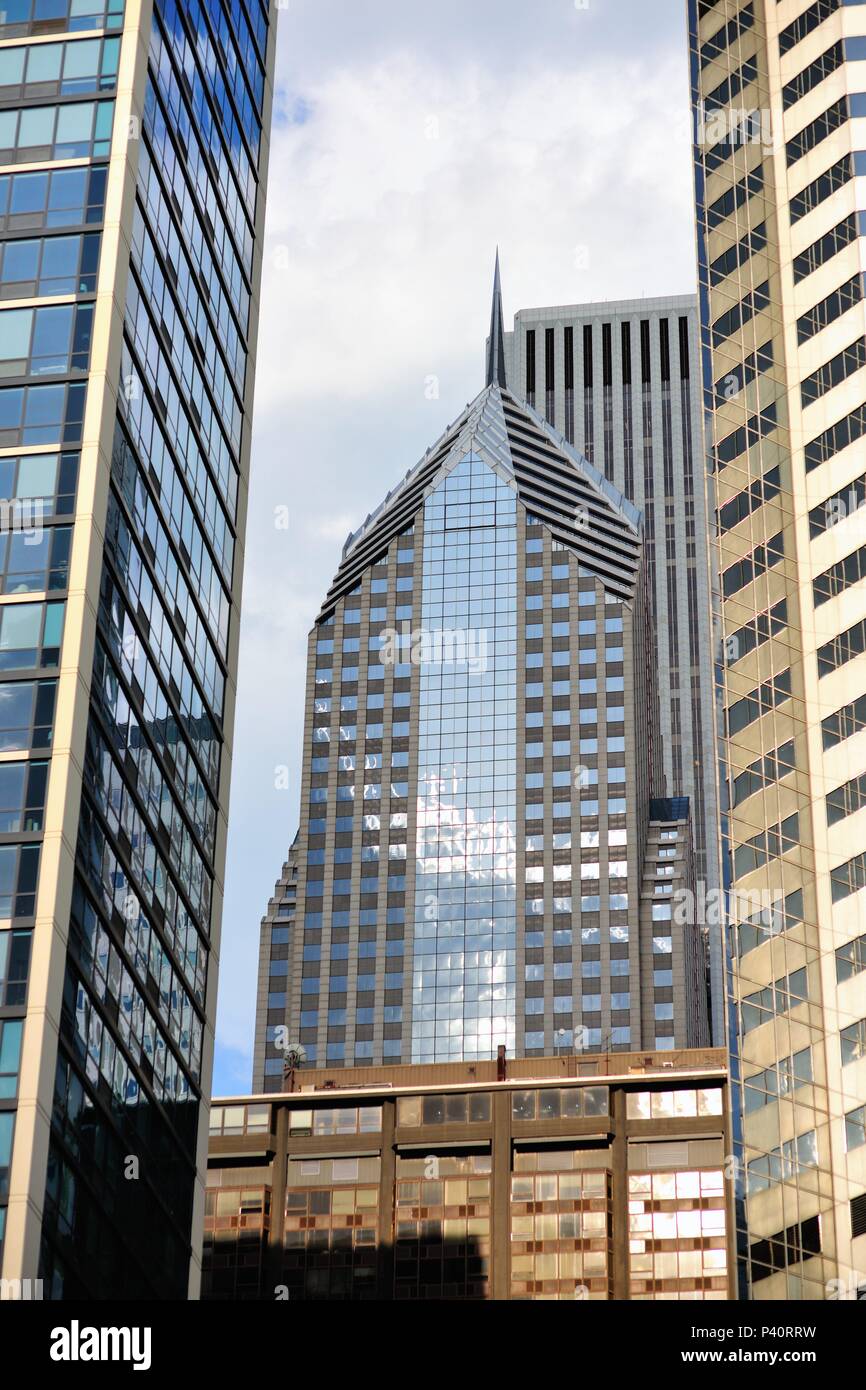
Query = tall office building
x=779 y=93
x=133 y=140
x=479 y=825
x=621 y=381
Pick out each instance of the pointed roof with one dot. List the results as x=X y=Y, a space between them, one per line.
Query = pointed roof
x=496 y=344
x=577 y=504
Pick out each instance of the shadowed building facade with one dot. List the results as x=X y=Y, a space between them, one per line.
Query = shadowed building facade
x=133 y=149
x=481 y=768
x=778 y=91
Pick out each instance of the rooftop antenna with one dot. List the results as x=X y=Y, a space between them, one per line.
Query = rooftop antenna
x=496 y=347
x=295 y=1057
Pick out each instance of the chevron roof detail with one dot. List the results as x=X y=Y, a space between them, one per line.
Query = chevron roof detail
x=561 y=488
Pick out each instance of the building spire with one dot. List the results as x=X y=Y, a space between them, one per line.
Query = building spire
x=496 y=346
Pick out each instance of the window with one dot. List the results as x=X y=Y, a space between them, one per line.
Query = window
x=813 y=75
x=10 y=1056
x=33 y=560
x=853 y=1040
x=22 y=796
x=822 y=127
x=763 y=558
x=30 y=634
x=844 y=723
x=827 y=246
x=842 y=648
x=768 y=844
x=21 y=17
x=846 y=800
x=777 y=917
x=846 y=431
x=669 y=1105
x=58 y=69
x=756 y=632
x=838 y=369
x=805 y=23
x=14 y=967
x=851 y=959
x=415 y=1111
x=745 y=437
x=49 y=266
x=779 y=998
x=764 y=698
x=821 y=188
x=830 y=309
x=732 y=321
x=766 y=1087
x=573 y=1102
x=81 y=130
x=783 y=1163
x=764 y=771
x=45 y=342
x=855 y=1128
x=26 y=715
x=724 y=37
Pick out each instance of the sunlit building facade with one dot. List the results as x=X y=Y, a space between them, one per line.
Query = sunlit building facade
x=555 y=1179
x=778 y=91
x=133 y=150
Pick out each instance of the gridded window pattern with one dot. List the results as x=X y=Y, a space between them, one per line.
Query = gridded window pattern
x=851 y=959
x=784 y=1163
x=845 y=723
x=560 y=1227
x=839 y=368
x=855 y=1128
x=415 y=1111
x=442 y=1227
x=853 y=1039
x=846 y=800
x=240 y=1119
x=465 y=922
x=672 y=1105
x=778 y=1081
x=341 y=1119
x=554 y=1103
x=236 y=1225
x=775 y=999
x=332 y=1212
x=677 y=1236
x=771 y=920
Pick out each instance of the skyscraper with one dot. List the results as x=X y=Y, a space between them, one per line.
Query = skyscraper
x=620 y=380
x=134 y=141
x=482 y=812
x=777 y=92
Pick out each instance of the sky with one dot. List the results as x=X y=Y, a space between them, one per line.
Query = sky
x=409 y=139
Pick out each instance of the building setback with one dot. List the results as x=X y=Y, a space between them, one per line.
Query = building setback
x=546 y=1179
x=482 y=775
x=621 y=381
x=777 y=92
x=133 y=152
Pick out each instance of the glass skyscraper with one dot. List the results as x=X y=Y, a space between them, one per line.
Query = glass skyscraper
x=485 y=857
x=778 y=96
x=133 y=152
